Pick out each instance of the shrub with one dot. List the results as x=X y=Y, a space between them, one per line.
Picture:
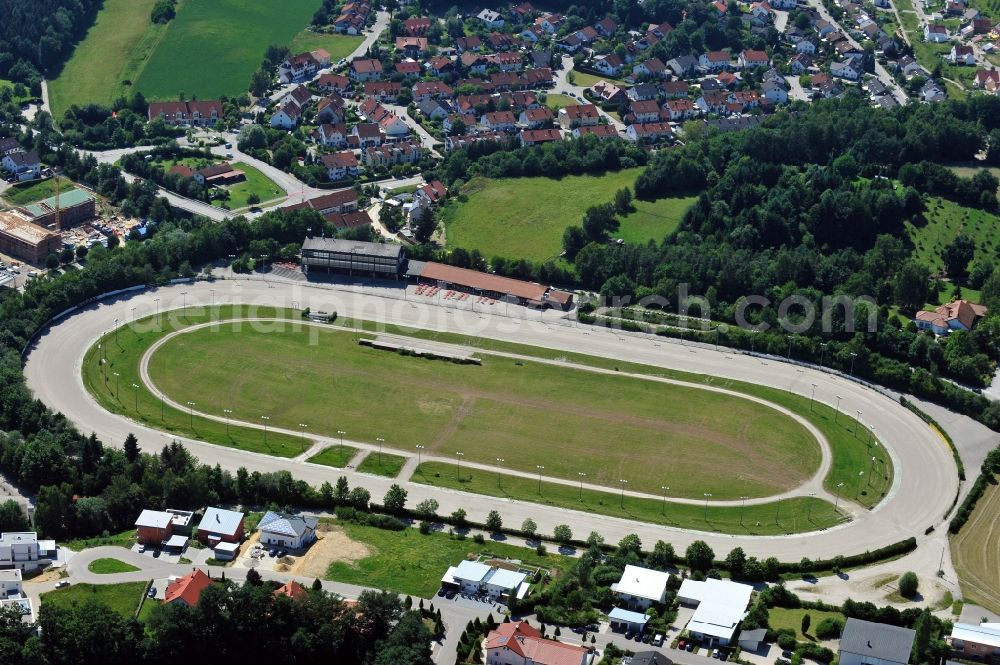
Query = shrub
x=908 y=584
x=829 y=628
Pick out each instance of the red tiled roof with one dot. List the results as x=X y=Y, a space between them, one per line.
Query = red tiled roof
x=188 y=588
x=292 y=589
x=527 y=642
x=344 y=159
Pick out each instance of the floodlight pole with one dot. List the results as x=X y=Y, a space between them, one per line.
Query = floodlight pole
x=809 y=510
x=621 y=500
x=228 y=413
x=458 y=465
x=582 y=476
x=264 y=419
x=380 y=442
x=743 y=505
x=708 y=495
x=302 y=427
x=191 y=417
x=500 y=461
x=117 y=379
x=135 y=386
x=342 y=434
x=836 y=504
x=540 y=469
x=812 y=397
x=663 y=507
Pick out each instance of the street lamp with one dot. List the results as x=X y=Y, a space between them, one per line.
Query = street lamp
x=117 y=377
x=853 y=356
x=812 y=397
x=228 y=413
x=809 y=510
x=458 y=464
x=419 y=448
x=777 y=512
x=302 y=428
x=621 y=501
x=380 y=442
x=135 y=387
x=212 y=291
x=857 y=423
x=743 y=504
x=184 y=302
x=708 y=496
x=663 y=508
x=582 y=476
x=838 y=408
x=500 y=461
x=342 y=434
x=116 y=331
x=191 y=406
x=540 y=469
x=857 y=493
x=837 y=502
x=265 y=419
x=790 y=346
x=871 y=471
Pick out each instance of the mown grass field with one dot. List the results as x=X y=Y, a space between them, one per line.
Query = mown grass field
x=780 y=617
x=973 y=551
x=382 y=465
x=32 y=192
x=587 y=80
x=110 y=566
x=945 y=221
x=122 y=598
x=529 y=413
x=336 y=456
x=95 y=70
x=792 y=516
x=526 y=217
x=338 y=46
x=213 y=46
x=123 y=354
x=409 y=562
x=555 y=101
x=256 y=183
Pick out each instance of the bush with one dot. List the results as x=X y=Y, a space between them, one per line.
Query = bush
x=908 y=584
x=786 y=639
x=478 y=539
x=829 y=628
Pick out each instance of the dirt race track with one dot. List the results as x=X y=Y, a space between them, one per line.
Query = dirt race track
x=974 y=552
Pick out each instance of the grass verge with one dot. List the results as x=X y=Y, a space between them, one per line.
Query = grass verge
x=781 y=617
x=336 y=456
x=110 y=567
x=123 y=539
x=121 y=598
x=382 y=464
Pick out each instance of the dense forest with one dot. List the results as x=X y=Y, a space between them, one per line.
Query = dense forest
x=37 y=36
x=238 y=622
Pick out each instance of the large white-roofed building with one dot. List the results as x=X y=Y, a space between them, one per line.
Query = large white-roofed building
x=641 y=587
x=720 y=607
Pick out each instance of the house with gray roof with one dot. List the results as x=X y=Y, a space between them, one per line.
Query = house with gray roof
x=291 y=531
x=869 y=643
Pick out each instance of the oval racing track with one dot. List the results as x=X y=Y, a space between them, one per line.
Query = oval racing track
x=924 y=483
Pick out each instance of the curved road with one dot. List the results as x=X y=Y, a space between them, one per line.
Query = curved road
x=926 y=480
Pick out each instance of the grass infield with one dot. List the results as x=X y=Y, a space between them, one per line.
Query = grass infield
x=389 y=466
x=795 y=515
x=110 y=566
x=529 y=413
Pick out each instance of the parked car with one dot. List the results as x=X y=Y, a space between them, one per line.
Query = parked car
x=142 y=549
x=156 y=554
x=282 y=553
x=62 y=584
x=657 y=641
x=786 y=654
x=441 y=592
x=151 y=593
x=646 y=637
x=272 y=552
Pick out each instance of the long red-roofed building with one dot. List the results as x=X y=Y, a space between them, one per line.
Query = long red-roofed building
x=519 y=643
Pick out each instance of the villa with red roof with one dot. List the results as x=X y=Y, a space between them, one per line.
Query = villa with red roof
x=187 y=589
x=292 y=589
x=956 y=315
x=519 y=643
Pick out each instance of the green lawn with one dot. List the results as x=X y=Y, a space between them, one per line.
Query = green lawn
x=336 y=456
x=122 y=598
x=5 y=85
x=123 y=357
x=696 y=441
x=110 y=566
x=382 y=464
x=555 y=101
x=780 y=617
x=587 y=80
x=256 y=183
x=654 y=220
x=100 y=62
x=32 y=192
x=526 y=217
x=123 y=539
x=148 y=606
x=338 y=46
x=792 y=516
x=213 y=46
x=408 y=562
x=946 y=220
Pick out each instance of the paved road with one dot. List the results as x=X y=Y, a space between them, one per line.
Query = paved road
x=925 y=481
x=880 y=71
x=562 y=86
x=426 y=140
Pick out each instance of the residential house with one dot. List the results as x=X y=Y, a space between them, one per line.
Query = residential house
x=505 y=61
x=541 y=58
x=476 y=63
x=935 y=33
x=799 y=64
x=9 y=146
x=674 y=89
x=640 y=588
x=519 y=643
x=337 y=83
x=845 y=70
x=680 y=109
x=340 y=202
x=491 y=19
x=642 y=92
x=973 y=641
x=220 y=525
x=469 y=43
x=987 y=79
x=531 y=137
x=383 y=91
x=806 y=46
x=715 y=61
x=440 y=65
x=824 y=28
x=287 y=117
x=868 y=643
x=498 y=121
x=774 y=92
x=299 y=95
x=23 y=165
x=536 y=118
x=653 y=68
x=719 y=607
x=213 y=176
x=152 y=527
x=933 y=92
x=532 y=34
x=411 y=47
x=340 y=165
x=417 y=26
x=330 y=109
x=22 y=550
x=600 y=131
x=291 y=531
x=962 y=55
x=578 y=115
x=432 y=193
x=409 y=68
x=391 y=154
x=423 y=90
x=522 y=12
x=609 y=93
x=10 y=583
x=196 y=113
x=433 y=109
x=366 y=69
x=714 y=101
x=683 y=65
x=501 y=41
x=643 y=111
x=982 y=26
x=956 y=315
x=187 y=590
x=392 y=126
x=550 y=23
x=302 y=66
x=606 y=27
x=650 y=132
x=465 y=140
x=609 y=65
x=752 y=59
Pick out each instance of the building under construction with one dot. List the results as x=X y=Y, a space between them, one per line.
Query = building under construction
x=63 y=210
x=21 y=237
